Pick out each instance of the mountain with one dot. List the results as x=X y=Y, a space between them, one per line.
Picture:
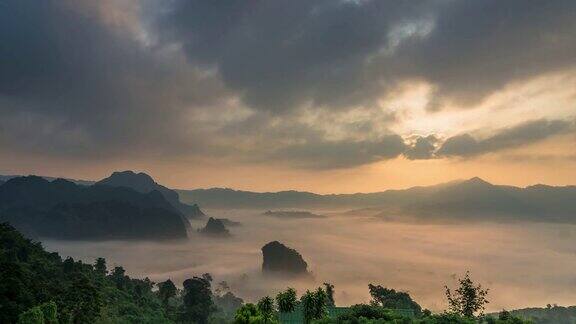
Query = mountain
x=64 y=210
x=144 y=183
x=280 y=259
x=215 y=227
x=4 y=178
x=470 y=199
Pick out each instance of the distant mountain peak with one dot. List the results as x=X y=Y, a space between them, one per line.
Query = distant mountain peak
x=129 y=174
x=144 y=183
x=477 y=181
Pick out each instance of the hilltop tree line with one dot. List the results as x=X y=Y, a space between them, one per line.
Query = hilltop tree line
x=38 y=287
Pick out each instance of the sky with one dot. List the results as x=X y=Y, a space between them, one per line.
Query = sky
x=318 y=95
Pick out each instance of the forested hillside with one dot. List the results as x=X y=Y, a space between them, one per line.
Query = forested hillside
x=64 y=210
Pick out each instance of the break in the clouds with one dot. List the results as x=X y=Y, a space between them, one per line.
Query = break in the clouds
x=241 y=79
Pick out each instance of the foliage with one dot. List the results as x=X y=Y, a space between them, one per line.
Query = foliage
x=248 y=314
x=286 y=300
x=266 y=309
x=34 y=282
x=392 y=299
x=368 y=312
x=50 y=312
x=197 y=299
x=166 y=290
x=314 y=304
x=329 y=288
x=505 y=317
x=468 y=299
x=100 y=267
x=32 y=316
x=551 y=314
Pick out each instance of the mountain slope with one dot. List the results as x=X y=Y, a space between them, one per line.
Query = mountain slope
x=143 y=183
x=471 y=199
x=62 y=209
x=82 y=293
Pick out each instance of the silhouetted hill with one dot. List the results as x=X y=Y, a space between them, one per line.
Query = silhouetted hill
x=280 y=259
x=62 y=209
x=5 y=178
x=466 y=200
x=215 y=227
x=143 y=183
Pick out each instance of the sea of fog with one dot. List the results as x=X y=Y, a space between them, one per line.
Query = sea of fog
x=523 y=264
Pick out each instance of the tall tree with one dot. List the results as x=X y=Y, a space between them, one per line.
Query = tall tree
x=468 y=299
x=329 y=288
x=286 y=300
x=100 y=267
x=314 y=305
x=118 y=275
x=197 y=298
x=266 y=308
x=166 y=290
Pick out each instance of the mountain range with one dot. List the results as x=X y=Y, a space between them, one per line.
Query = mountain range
x=472 y=199
x=125 y=205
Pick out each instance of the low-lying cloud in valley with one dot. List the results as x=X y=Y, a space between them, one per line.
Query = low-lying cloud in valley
x=352 y=250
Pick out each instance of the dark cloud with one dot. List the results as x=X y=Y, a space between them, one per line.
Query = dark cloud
x=242 y=78
x=530 y=132
x=283 y=54
x=478 y=47
x=422 y=149
x=326 y=154
x=71 y=84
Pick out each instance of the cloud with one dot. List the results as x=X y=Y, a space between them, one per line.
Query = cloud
x=294 y=81
x=325 y=154
x=71 y=83
x=422 y=149
x=280 y=55
x=465 y=145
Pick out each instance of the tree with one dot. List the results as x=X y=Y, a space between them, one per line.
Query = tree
x=118 y=275
x=392 y=299
x=100 y=267
x=82 y=301
x=197 y=299
x=320 y=302
x=286 y=300
x=314 y=305
x=329 y=288
x=32 y=316
x=166 y=290
x=248 y=314
x=266 y=308
x=467 y=299
x=50 y=312
x=308 y=306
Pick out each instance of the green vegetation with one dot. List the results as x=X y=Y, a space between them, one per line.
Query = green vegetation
x=38 y=287
x=467 y=299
